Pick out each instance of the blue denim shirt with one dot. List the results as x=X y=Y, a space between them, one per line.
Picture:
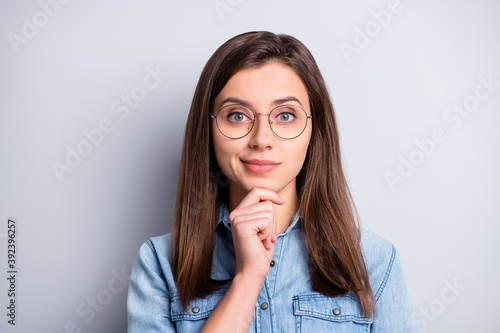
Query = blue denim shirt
x=287 y=303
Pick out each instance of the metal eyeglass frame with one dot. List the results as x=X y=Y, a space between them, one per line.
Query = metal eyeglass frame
x=263 y=114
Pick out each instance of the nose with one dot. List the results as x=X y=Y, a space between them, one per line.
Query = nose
x=261 y=134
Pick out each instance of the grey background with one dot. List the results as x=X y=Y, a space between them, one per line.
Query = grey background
x=75 y=234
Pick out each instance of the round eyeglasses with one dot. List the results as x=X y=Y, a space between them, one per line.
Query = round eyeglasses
x=235 y=121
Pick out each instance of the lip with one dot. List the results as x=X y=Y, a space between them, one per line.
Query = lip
x=260 y=166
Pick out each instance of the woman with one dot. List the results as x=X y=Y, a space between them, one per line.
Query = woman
x=265 y=235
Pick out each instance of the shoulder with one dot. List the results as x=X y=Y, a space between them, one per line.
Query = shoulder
x=394 y=310
x=151 y=287
x=153 y=260
x=160 y=244
x=381 y=259
x=159 y=248
x=374 y=246
x=156 y=248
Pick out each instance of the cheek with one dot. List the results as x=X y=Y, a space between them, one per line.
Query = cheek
x=303 y=144
x=224 y=152
x=301 y=152
x=300 y=156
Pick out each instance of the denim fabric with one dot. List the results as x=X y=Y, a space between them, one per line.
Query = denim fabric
x=287 y=303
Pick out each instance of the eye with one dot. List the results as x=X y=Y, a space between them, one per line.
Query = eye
x=237 y=117
x=285 y=117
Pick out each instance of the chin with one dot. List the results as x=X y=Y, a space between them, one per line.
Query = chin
x=263 y=183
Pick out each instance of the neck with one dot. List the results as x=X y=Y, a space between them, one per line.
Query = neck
x=283 y=213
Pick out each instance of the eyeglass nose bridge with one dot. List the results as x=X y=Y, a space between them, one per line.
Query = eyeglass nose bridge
x=269 y=121
x=262 y=114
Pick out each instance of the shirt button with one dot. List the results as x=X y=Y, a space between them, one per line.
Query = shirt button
x=263 y=306
x=336 y=311
x=273 y=263
x=195 y=309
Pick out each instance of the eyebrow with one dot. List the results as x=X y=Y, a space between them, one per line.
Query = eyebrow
x=247 y=104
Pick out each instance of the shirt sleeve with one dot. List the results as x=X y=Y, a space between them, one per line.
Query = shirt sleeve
x=148 y=300
x=394 y=308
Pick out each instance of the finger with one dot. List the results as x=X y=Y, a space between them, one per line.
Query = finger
x=273 y=228
x=241 y=215
x=262 y=229
x=263 y=206
x=268 y=241
x=258 y=226
x=268 y=245
x=265 y=236
x=259 y=210
x=258 y=194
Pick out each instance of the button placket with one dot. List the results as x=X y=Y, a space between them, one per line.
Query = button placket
x=264 y=313
x=273 y=265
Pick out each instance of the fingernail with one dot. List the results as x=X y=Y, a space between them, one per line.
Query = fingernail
x=283 y=199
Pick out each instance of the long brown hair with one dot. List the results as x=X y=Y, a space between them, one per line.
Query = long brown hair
x=329 y=217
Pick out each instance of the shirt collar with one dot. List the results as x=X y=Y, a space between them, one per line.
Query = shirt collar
x=224 y=218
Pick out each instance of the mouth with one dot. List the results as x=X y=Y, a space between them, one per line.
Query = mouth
x=260 y=166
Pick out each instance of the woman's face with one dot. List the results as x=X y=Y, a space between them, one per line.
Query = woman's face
x=261 y=159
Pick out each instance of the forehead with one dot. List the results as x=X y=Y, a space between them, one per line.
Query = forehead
x=264 y=85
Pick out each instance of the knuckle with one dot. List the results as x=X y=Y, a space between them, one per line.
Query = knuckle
x=239 y=227
x=236 y=226
x=268 y=222
x=234 y=215
x=236 y=220
x=255 y=190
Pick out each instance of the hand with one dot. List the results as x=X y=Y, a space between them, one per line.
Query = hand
x=254 y=232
